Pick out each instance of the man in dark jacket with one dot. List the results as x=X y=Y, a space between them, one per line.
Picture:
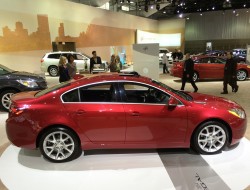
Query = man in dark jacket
x=94 y=60
x=230 y=73
x=188 y=73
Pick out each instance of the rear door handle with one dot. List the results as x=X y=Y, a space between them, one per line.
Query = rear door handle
x=80 y=112
x=135 y=113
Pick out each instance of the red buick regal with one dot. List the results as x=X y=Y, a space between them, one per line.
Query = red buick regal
x=210 y=67
x=119 y=111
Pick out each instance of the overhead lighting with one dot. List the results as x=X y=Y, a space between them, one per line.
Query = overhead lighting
x=244 y=5
x=234 y=11
x=152 y=7
x=164 y=12
x=200 y=14
x=213 y=7
x=180 y=15
x=187 y=18
x=237 y=14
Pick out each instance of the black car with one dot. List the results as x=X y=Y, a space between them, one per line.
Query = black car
x=12 y=82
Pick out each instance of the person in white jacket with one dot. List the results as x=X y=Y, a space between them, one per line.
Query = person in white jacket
x=165 y=63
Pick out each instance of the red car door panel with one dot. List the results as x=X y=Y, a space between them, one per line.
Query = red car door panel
x=155 y=124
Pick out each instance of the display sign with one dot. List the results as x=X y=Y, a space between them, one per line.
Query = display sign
x=163 y=39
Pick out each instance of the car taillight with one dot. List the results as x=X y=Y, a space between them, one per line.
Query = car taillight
x=16 y=110
x=42 y=60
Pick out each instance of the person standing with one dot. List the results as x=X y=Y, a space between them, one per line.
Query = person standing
x=188 y=73
x=175 y=55
x=63 y=70
x=112 y=64
x=94 y=60
x=71 y=65
x=230 y=73
x=165 y=63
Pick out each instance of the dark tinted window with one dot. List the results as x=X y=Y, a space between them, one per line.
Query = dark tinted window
x=72 y=96
x=137 y=93
x=205 y=60
x=104 y=92
x=54 y=56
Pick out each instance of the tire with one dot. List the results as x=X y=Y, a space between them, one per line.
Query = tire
x=53 y=71
x=195 y=77
x=5 y=99
x=59 y=145
x=241 y=75
x=210 y=138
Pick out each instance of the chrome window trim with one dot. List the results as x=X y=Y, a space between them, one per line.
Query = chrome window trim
x=117 y=81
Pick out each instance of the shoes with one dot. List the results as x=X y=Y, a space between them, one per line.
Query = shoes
x=196 y=90
x=224 y=92
x=236 y=89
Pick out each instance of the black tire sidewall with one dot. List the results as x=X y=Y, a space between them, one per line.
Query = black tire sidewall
x=77 y=148
x=1 y=96
x=195 y=144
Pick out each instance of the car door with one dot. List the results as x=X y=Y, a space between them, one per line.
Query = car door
x=218 y=65
x=206 y=70
x=149 y=120
x=97 y=111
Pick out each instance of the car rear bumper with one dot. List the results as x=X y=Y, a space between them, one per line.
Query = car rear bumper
x=20 y=132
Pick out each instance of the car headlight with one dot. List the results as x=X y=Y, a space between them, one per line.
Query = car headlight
x=238 y=113
x=28 y=83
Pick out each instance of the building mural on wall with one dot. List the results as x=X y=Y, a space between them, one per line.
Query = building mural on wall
x=95 y=35
x=21 y=40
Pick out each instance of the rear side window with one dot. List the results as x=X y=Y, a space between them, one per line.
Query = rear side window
x=104 y=92
x=72 y=96
x=54 y=56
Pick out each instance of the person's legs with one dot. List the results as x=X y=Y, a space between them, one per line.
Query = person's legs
x=184 y=80
x=164 y=68
x=225 y=82
x=193 y=84
x=167 y=69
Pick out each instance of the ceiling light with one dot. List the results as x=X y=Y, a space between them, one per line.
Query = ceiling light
x=237 y=14
x=234 y=11
x=180 y=15
x=200 y=14
x=152 y=7
x=164 y=12
x=187 y=18
x=213 y=8
x=244 y=5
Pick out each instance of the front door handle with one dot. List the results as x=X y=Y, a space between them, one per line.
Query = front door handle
x=135 y=113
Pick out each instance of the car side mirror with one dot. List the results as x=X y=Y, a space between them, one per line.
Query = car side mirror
x=172 y=102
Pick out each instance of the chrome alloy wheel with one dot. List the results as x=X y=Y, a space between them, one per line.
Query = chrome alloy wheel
x=241 y=75
x=6 y=101
x=212 y=138
x=195 y=77
x=58 y=145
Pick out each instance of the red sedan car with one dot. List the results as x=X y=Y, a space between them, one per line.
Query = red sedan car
x=210 y=67
x=121 y=111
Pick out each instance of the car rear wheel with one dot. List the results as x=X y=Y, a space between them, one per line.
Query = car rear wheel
x=5 y=99
x=241 y=75
x=210 y=138
x=53 y=71
x=59 y=145
x=195 y=76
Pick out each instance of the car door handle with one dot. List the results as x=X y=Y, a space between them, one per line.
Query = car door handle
x=135 y=113
x=80 y=112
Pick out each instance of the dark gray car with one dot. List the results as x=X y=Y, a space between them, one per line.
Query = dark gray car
x=12 y=82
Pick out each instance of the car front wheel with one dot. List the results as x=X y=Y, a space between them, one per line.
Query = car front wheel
x=5 y=99
x=210 y=138
x=59 y=145
x=53 y=71
x=241 y=75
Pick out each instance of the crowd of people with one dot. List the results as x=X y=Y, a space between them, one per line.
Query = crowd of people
x=67 y=67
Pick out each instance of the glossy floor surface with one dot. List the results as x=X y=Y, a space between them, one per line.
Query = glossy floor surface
x=137 y=169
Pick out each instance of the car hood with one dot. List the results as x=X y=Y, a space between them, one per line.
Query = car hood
x=215 y=102
x=24 y=74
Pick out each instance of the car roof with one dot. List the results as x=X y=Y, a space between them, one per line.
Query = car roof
x=112 y=78
x=59 y=52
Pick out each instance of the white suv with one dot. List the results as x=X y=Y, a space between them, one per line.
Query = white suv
x=50 y=61
x=168 y=53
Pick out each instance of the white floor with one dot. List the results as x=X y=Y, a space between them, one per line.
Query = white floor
x=27 y=170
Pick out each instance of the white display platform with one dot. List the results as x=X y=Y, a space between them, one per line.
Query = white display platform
x=127 y=170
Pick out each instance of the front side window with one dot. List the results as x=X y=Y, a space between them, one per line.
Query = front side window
x=79 y=57
x=138 y=93
x=104 y=92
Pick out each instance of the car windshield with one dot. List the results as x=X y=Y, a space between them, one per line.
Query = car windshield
x=53 y=88
x=182 y=94
x=5 y=70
